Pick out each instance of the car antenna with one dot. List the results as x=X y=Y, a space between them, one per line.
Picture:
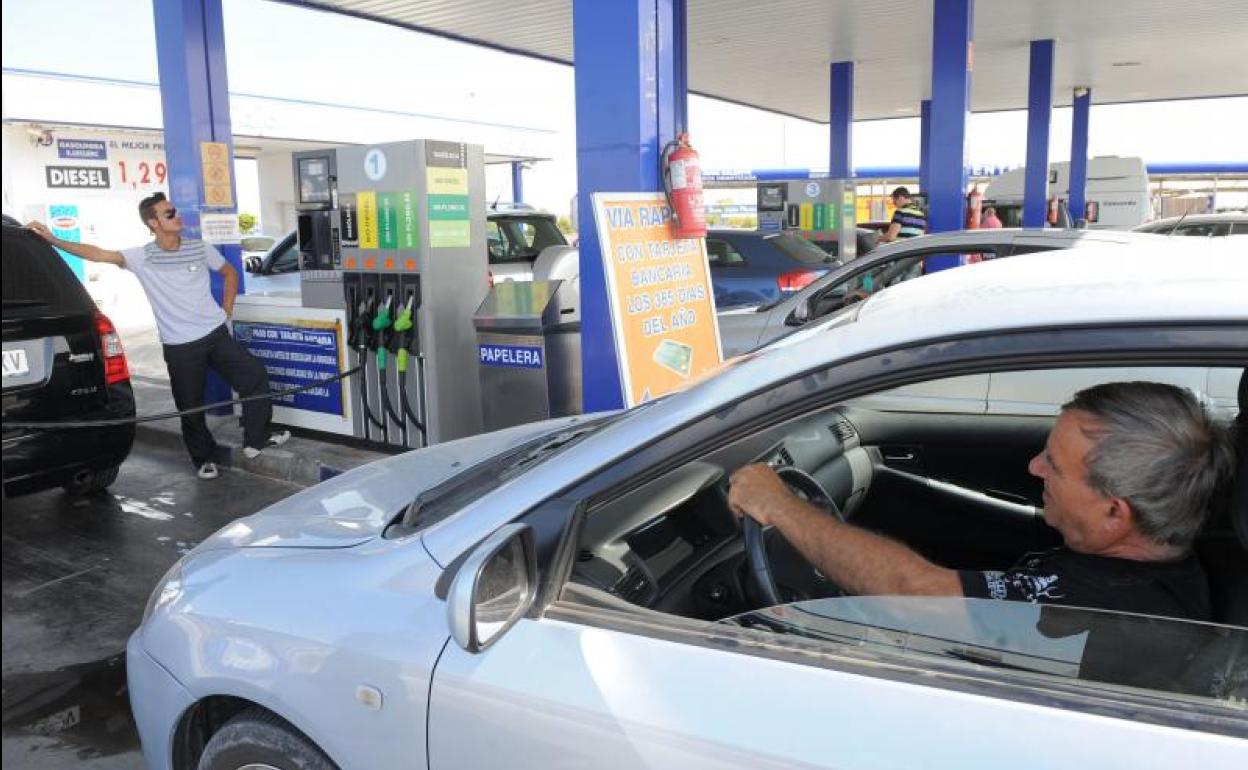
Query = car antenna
x=494 y=205
x=1174 y=229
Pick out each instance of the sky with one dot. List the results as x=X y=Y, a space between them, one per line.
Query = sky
x=278 y=50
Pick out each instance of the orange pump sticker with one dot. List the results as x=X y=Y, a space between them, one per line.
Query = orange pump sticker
x=659 y=291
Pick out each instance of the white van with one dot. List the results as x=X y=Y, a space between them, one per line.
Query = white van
x=1116 y=194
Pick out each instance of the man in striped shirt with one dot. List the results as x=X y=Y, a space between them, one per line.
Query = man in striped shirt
x=174 y=274
x=908 y=219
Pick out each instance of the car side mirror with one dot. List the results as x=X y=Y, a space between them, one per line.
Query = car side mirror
x=494 y=587
x=800 y=314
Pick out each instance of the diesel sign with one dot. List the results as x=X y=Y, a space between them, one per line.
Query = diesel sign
x=88 y=177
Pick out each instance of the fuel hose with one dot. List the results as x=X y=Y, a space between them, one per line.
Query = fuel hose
x=75 y=424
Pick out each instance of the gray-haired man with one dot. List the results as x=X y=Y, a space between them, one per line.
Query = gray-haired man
x=1129 y=471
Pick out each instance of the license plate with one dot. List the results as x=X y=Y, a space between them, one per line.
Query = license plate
x=15 y=363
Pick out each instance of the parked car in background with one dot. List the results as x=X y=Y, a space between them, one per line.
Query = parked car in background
x=63 y=362
x=1116 y=194
x=750 y=267
x=578 y=593
x=743 y=329
x=277 y=270
x=515 y=234
x=1199 y=225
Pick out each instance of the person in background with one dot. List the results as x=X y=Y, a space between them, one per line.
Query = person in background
x=174 y=274
x=908 y=219
x=989 y=220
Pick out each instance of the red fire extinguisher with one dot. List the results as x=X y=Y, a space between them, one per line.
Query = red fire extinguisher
x=974 y=208
x=682 y=182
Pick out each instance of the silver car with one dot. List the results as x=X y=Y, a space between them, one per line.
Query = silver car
x=746 y=328
x=576 y=594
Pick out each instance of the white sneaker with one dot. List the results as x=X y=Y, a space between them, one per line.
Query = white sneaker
x=276 y=438
x=207 y=471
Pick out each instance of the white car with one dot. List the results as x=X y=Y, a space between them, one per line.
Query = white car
x=575 y=593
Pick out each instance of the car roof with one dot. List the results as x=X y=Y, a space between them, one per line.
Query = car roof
x=1232 y=216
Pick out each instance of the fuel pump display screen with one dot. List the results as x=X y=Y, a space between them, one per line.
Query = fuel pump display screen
x=771 y=197
x=313 y=180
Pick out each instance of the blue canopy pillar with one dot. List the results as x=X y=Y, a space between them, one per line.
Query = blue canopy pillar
x=841 y=121
x=952 y=28
x=1079 y=153
x=199 y=148
x=630 y=101
x=1039 y=116
x=517 y=181
x=925 y=143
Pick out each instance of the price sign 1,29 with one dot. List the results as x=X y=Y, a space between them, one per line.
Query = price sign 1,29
x=142 y=173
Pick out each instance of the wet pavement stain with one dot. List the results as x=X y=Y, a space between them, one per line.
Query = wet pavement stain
x=86 y=706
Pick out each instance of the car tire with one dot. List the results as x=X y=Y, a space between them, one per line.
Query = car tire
x=257 y=737
x=95 y=482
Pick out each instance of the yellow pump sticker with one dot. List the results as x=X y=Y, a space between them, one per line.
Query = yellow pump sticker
x=367 y=206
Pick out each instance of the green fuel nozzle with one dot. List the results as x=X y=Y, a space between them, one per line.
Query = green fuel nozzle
x=404 y=326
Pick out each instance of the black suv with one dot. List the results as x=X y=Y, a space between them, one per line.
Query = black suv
x=63 y=361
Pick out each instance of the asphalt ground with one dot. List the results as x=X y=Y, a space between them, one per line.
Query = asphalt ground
x=77 y=574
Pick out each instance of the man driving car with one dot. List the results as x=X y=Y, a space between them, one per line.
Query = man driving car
x=1129 y=470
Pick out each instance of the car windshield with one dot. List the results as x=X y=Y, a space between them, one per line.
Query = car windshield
x=1120 y=650
x=800 y=249
x=453 y=494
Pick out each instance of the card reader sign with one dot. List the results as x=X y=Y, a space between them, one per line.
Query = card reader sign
x=515 y=356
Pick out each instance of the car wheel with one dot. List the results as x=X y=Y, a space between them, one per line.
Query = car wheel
x=95 y=482
x=258 y=739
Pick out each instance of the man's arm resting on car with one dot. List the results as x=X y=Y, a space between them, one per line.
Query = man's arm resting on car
x=83 y=250
x=858 y=561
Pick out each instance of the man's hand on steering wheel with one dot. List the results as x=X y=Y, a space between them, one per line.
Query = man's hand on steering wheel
x=757 y=491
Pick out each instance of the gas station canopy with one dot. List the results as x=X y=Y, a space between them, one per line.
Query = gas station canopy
x=774 y=54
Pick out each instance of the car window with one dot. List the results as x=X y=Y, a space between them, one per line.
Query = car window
x=721 y=253
x=1239 y=228
x=37 y=282
x=1131 y=651
x=494 y=242
x=798 y=248
x=1201 y=229
x=864 y=283
x=286 y=260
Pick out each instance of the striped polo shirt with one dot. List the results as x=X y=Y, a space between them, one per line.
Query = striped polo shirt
x=178 y=288
x=911 y=219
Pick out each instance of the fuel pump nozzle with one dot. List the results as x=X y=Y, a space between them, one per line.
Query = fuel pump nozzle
x=383 y=341
x=359 y=324
x=407 y=342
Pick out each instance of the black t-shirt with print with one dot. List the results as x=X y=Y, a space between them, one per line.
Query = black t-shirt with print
x=1176 y=589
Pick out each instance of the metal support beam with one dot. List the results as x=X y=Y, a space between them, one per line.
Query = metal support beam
x=1079 y=153
x=1039 y=116
x=841 y=121
x=925 y=144
x=952 y=33
x=517 y=181
x=194 y=99
x=629 y=66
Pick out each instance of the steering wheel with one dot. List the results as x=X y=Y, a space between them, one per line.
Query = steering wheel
x=805 y=486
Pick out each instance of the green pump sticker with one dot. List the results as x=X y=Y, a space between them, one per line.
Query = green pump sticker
x=388 y=220
x=409 y=230
x=449 y=226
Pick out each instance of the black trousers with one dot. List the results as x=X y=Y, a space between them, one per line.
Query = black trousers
x=188 y=367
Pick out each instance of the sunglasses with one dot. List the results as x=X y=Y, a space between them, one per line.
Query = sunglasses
x=170 y=213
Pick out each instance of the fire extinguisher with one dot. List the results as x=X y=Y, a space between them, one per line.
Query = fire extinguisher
x=682 y=183
x=974 y=208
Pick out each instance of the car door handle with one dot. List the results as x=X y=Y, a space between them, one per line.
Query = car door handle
x=900 y=455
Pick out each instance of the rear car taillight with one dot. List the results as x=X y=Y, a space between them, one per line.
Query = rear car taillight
x=797 y=280
x=115 y=368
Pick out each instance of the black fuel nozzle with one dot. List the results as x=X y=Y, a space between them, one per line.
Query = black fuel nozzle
x=362 y=323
